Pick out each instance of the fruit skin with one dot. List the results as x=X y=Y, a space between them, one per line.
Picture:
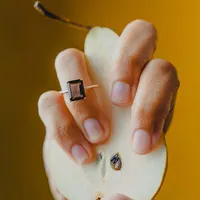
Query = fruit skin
x=140 y=176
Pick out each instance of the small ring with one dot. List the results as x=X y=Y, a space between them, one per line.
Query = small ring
x=76 y=90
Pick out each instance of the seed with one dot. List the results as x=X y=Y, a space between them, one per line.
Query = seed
x=99 y=196
x=116 y=162
x=100 y=156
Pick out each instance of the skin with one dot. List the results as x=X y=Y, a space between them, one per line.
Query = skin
x=133 y=65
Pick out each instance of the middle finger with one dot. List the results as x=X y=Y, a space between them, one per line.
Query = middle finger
x=136 y=46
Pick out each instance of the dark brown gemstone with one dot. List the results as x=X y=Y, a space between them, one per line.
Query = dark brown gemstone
x=76 y=90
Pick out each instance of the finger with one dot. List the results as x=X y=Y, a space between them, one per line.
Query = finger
x=71 y=65
x=61 y=126
x=170 y=114
x=152 y=104
x=117 y=197
x=136 y=46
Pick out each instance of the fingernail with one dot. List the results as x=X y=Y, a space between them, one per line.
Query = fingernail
x=93 y=129
x=120 y=92
x=141 y=142
x=79 y=153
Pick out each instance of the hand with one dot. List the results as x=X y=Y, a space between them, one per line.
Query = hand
x=117 y=197
x=148 y=85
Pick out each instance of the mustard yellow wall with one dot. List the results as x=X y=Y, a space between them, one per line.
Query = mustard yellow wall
x=29 y=44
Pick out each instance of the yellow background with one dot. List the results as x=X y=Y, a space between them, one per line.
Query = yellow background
x=29 y=44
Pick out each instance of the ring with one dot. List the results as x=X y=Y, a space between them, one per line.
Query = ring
x=76 y=90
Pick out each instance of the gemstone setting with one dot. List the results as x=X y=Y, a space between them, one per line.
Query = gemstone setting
x=76 y=90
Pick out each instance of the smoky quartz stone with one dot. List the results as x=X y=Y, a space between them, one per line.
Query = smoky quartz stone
x=76 y=90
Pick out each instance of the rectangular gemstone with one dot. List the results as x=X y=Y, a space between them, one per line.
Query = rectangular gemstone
x=76 y=90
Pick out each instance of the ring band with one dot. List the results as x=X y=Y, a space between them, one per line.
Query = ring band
x=85 y=88
x=76 y=90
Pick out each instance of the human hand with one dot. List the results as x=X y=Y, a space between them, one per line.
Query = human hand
x=134 y=74
x=117 y=197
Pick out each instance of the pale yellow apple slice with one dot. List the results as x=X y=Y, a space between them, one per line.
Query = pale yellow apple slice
x=140 y=176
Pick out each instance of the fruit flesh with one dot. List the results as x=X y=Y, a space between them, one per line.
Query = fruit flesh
x=140 y=177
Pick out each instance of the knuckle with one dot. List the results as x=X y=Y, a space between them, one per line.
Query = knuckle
x=66 y=57
x=143 y=115
x=150 y=113
x=165 y=68
x=61 y=131
x=47 y=99
x=145 y=26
